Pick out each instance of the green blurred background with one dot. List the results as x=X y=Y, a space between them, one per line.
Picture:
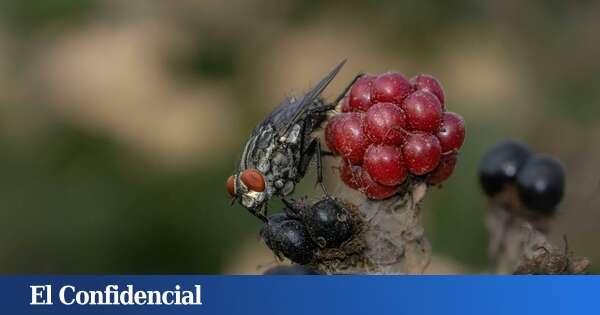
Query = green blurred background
x=121 y=120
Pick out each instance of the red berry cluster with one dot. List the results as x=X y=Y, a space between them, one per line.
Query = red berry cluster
x=391 y=128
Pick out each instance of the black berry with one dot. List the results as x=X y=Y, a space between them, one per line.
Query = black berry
x=278 y=217
x=501 y=164
x=541 y=183
x=290 y=239
x=328 y=223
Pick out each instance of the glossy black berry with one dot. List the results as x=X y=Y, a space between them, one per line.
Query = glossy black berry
x=290 y=270
x=267 y=229
x=328 y=223
x=278 y=217
x=290 y=239
x=501 y=164
x=541 y=183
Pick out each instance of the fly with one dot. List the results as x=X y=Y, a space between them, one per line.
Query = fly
x=280 y=149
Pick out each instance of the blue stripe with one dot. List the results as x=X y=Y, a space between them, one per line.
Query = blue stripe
x=326 y=294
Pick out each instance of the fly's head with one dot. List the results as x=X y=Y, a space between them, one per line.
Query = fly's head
x=248 y=187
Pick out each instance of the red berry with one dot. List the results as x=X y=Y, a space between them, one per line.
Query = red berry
x=351 y=175
x=385 y=123
x=391 y=87
x=443 y=170
x=346 y=104
x=422 y=152
x=329 y=133
x=425 y=82
x=361 y=94
x=346 y=136
x=384 y=164
x=374 y=190
x=423 y=111
x=452 y=132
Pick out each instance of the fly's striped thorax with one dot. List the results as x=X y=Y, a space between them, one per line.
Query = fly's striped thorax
x=246 y=157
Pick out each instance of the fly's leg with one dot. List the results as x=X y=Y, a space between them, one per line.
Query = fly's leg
x=320 y=166
x=261 y=214
x=331 y=106
x=313 y=149
x=326 y=153
x=262 y=217
x=347 y=88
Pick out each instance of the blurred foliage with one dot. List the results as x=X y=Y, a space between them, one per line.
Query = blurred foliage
x=28 y=16
x=78 y=204
x=74 y=199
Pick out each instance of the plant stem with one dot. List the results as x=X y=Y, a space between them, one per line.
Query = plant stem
x=519 y=244
x=391 y=234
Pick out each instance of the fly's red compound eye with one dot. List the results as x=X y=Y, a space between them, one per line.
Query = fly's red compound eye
x=253 y=179
x=230 y=186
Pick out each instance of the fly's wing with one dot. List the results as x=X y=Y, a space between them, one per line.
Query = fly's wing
x=280 y=116
x=286 y=114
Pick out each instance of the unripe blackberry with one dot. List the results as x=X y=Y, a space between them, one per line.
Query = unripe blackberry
x=444 y=170
x=500 y=165
x=351 y=175
x=346 y=137
x=374 y=190
x=423 y=111
x=385 y=164
x=346 y=104
x=385 y=123
x=391 y=87
x=541 y=184
x=422 y=153
x=452 y=132
x=425 y=82
x=361 y=94
x=331 y=132
x=390 y=127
